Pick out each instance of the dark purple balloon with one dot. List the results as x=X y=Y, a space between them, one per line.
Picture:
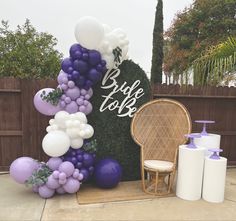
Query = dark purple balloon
x=70 y=70
x=84 y=49
x=91 y=170
x=103 y=63
x=99 y=67
x=79 y=151
x=79 y=165
x=94 y=57
x=81 y=66
x=80 y=157
x=85 y=173
x=88 y=84
x=72 y=153
x=94 y=75
x=107 y=173
x=70 y=77
x=80 y=81
x=74 y=160
x=66 y=64
x=85 y=57
x=75 y=75
x=75 y=51
x=88 y=159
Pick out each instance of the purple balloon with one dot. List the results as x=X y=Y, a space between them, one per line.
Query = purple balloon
x=22 y=168
x=107 y=173
x=103 y=63
x=67 y=167
x=56 y=174
x=72 y=185
x=94 y=57
x=60 y=190
x=88 y=84
x=66 y=64
x=62 y=104
x=54 y=163
x=71 y=84
x=73 y=93
x=81 y=66
x=75 y=51
x=94 y=75
x=46 y=192
x=61 y=76
x=99 y=68
x=85 y=56
x=43 y=106
x=88 y=109
x=80 y=81
x=79 y=101
x=52 y=183
x=67 y=100
x=82 y=109
x=35 y=189
x=72 y=107
x=88 y=160
x=75 y=75
x=85 y=173
x=79 y=165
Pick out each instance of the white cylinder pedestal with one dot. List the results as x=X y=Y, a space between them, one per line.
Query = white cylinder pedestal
x=214 y=180
x=190 y=172
x=210 y=141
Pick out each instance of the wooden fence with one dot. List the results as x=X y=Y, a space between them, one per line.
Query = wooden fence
x=208 y=103
x=22 y=128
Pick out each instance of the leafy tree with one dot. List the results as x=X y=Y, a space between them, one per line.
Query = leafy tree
x=157 y=51
x=205 y=23
x=218 y=62
x=26 y=53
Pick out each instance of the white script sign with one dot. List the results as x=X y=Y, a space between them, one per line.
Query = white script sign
x=131 y=94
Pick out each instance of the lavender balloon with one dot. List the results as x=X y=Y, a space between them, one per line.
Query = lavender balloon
x=73 y=93
x=46 y=192
x=54 y=163
x=67 y=167
x=62 y=75
x=72 y=185
x=60 y=190
x=22 y=168
x=52 y=183
x=43 y=106
x=72 y=107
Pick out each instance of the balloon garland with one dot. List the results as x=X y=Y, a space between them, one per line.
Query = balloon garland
x=72 y=161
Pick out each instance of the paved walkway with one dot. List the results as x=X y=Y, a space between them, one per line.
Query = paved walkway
x=17 y=203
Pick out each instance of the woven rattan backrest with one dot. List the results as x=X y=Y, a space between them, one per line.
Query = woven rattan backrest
x=159 y=127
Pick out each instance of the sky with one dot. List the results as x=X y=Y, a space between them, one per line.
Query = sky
x=59 y=17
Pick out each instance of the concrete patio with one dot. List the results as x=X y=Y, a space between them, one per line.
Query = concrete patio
x=17 y=203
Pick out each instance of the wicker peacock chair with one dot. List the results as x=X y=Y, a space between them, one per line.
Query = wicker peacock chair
x=159 y=127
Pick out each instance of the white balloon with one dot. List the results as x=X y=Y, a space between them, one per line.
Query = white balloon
x=49 y=128
x=89 y=131
x=107 y=28
x=81 y=117
x=60 y=118
x=56 y=143
x=89 y=32
x=72 y=132
x=52 y=121
x=77 y=143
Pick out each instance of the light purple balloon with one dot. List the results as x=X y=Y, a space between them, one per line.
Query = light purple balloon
x=82 y=108
x=54 y=163
x=22 y=168
x=90 y=92
x=52 y=183
x=85 y=103
x=60 y=190
x=76 y=174
x=72 y=185
x=67 y=167
x=71 y=84
x=64 y=87
x=67 y=100
x=88 y=109
x=35 y=189
x=46 y=192
x=61 y=76
x=62 y=176
x=72 y=107
x=55 y=174
x=65 y=80
x=73 y=93
x=81 y=177
x=80 y=101
x=62 y=182
x=43 y=106
x=83 y=92
x=62 y=104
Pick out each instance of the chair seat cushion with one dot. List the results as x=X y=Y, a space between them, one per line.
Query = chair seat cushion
x=158 y=165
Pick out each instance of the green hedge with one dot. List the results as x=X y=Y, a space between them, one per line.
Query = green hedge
x=112 y=132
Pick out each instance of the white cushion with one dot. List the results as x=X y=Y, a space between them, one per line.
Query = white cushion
x=159 y=165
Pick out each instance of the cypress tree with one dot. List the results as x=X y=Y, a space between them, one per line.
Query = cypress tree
x=157 y=48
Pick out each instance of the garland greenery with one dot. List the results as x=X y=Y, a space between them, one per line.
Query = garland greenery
x=53 y=97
